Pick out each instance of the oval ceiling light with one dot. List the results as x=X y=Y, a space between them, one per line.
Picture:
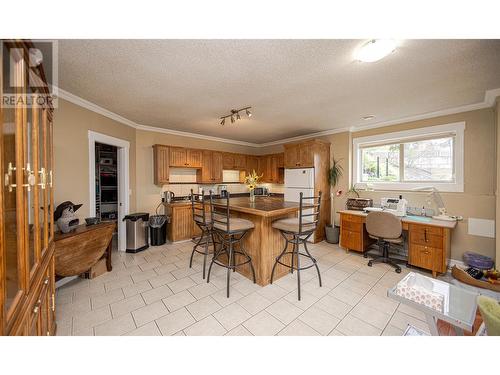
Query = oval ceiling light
x=368 y=117
x=375 y=49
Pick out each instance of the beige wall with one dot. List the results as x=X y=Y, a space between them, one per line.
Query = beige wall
x=148 y=194
x=71 y=172
x=482 y=140
x=497 y=233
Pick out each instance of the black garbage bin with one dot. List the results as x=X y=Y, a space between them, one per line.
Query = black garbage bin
x=158 y=229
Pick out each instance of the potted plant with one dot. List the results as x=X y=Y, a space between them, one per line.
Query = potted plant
x=332 y=231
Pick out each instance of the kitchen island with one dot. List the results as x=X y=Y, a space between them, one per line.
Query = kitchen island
x=263 y=243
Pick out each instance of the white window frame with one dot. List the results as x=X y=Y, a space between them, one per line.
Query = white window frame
x=456 y=129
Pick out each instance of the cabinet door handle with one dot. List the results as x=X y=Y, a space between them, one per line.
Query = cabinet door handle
x=53 y=302
x=46 y=281
x=37 y=307
x=425 y=235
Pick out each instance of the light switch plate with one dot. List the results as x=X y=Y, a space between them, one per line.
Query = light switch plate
x=481 y=227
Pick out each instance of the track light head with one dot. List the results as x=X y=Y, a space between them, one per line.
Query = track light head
x=238 y=116
x=249 y=114
x=223 y=121
x=232 y=119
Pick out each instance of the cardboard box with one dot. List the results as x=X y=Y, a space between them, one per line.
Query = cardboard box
x=97 y=270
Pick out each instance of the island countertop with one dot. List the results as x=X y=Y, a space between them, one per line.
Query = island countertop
x=263 y=206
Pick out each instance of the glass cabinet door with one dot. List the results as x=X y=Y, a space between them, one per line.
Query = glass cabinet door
x=50 y=167
x=43 y=199
x=30 y=186
x=12 y=174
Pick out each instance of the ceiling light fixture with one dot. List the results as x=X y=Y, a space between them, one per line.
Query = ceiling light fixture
x=369 y=117
x=235 y=115
x=375 y=49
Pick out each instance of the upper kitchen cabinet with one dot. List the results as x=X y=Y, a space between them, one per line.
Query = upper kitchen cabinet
x=232 y=161
x=300 y=155
x=252 y=164
x=185 y=158
x=271 y=168
x=211 y=170
x=161 y=165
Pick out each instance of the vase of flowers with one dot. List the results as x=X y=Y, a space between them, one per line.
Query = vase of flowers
x=251 y=182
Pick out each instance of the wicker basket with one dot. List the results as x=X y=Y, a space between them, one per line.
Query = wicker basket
x=358 y=204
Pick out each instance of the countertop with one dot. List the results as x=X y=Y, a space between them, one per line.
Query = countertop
x=411 y=219
x=263 y=206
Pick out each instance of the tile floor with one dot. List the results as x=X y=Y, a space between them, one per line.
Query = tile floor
x=155 y=293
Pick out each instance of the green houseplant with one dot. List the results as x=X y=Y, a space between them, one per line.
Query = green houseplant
x=332 y=231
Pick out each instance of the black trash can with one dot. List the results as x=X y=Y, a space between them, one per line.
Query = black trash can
x=158 y=229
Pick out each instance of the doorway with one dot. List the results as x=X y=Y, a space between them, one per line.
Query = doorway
x=109 y=194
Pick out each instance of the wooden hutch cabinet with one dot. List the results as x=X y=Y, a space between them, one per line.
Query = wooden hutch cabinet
x=27 y=289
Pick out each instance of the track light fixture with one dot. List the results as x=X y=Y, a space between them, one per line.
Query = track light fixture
x=235 y=115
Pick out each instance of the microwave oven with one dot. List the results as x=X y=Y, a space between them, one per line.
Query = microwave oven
x=261 y=191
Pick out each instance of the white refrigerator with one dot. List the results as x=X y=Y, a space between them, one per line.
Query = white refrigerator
x=297 y=181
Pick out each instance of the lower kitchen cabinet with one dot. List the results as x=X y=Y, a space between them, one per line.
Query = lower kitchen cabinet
x=181 y=223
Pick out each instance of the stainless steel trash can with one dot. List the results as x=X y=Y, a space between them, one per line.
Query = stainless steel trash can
x=137 y=226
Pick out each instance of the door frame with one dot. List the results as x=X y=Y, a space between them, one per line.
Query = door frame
x=123 y=179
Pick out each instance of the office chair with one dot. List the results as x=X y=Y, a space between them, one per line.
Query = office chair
x=386 y=228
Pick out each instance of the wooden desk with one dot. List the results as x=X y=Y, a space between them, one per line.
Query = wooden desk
x=428 y=241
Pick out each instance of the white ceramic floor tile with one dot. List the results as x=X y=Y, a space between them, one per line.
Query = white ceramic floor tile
x=221 y=297
x=239 y=331
x=115 y=327
x=156 y=294
x=202 y=290
x=284 y=311
x=254 y=303
x=232 y=316
x=181 y=284
x=134 y=289
x=319 y=320
x=107 y=298
x=176 y=301
x=346 y=295
x=91 y=318
x=149 y=313
x=174 y=322
x=141 y=276
x=161 y=280
x=150 y=329
x=272 y=292
x=333 y=306
x=205 y=327
x=352 y=326
x=263 y=324
x=298 y=328
x=203 y=307
x=127 y=305
x=306 y=299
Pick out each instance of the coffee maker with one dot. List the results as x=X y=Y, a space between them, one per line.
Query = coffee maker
x=222 y=191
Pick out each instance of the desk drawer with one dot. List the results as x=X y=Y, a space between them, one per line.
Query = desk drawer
x=426 y=235
x=426 y=257
x=351 y=240
x=352 y=226
x=352 y=218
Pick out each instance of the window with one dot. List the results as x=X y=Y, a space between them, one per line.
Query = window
x=424 y=157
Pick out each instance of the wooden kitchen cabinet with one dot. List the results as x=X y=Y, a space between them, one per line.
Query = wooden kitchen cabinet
x=252 y=164
x=185 y=157
x=181 y=223
x=26 y=202
x=232 y=161
x=300 y=155
x=211 y=169
x=271 y=167
x=161 y=165
x=194 y=158
x=240 y=162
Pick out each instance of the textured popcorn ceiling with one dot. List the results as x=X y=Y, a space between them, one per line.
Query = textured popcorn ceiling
x=296 y=87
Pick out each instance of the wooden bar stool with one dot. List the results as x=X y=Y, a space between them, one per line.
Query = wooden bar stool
x=203 y=220
x=230 y=231
x=297 y=231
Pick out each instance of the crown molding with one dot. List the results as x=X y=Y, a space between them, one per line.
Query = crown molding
x=489 y=100
x=197 y=136
x=94 y=107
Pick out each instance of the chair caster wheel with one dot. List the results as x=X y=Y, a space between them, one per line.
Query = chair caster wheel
x=369 y=263
x=398 y=270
